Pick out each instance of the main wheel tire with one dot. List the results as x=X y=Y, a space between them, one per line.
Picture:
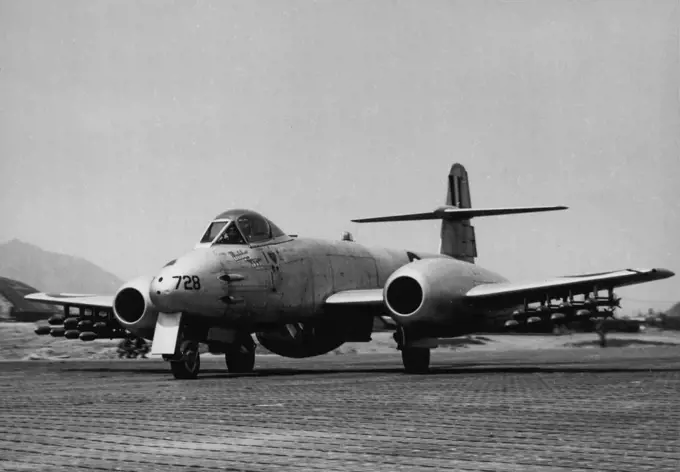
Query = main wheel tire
x=239 y=362
x=416 y=360
x=189 y=366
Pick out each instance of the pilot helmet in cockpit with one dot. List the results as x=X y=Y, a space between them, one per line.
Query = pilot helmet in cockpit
x=231 y=236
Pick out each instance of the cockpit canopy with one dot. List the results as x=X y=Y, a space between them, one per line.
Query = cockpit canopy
x=213 y=231
x=240 y=227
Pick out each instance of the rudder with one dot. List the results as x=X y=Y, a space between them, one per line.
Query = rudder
x=458 y=236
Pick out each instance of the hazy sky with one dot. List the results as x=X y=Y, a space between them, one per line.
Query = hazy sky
x=125 y=126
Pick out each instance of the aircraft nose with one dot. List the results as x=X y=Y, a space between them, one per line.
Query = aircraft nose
x=177 y=282
x=163 y=291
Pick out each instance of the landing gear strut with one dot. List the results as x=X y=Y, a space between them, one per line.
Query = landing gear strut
x=187 y=363
x=240 y=358
x=416 y=360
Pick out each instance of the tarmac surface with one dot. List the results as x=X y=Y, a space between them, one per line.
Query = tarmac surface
x=614 y=409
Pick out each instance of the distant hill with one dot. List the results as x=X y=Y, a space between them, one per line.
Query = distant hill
x=52 y=272
x=674 y=311
x=671 y=319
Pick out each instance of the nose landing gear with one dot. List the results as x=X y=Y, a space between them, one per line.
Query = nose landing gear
x=239 y=355
x=187 y=363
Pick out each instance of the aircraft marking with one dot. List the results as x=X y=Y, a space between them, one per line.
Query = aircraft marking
x=191 y=282
x=242 y=255
x=239 y=255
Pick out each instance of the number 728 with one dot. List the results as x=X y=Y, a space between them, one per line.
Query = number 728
x=191 y=282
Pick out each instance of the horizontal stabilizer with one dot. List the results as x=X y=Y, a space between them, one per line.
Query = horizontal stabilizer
x=452 y=213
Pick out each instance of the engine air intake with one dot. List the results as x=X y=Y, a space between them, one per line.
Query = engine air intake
x=129 y=304
x=404 y=295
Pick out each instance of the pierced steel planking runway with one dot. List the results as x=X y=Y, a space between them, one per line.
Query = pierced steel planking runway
x=565 y=410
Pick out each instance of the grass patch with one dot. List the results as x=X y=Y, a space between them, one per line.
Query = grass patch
x=455 y=343
x=622 y=343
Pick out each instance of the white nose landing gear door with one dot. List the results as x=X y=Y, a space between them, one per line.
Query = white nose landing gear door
x=166 y=334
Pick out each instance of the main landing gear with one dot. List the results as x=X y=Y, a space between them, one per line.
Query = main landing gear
x=416 y=360
x=240 y=357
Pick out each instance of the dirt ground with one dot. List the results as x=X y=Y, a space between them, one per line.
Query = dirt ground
x=19 y=342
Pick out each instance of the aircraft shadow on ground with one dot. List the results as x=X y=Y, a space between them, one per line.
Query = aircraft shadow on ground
x=458 y=369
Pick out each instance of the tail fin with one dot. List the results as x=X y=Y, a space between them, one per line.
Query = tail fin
x=458 y=236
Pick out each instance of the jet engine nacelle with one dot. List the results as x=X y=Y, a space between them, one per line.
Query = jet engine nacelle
x=133 y=309
x=427 y=290
x=302 y=339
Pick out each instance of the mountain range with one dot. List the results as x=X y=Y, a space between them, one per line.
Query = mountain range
x=53 y=272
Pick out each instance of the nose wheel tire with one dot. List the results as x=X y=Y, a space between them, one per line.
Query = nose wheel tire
x=240 y=362
x=190 y=363
x=416 y=360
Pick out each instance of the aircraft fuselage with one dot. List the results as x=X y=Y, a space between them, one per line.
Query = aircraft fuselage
x=283 y=281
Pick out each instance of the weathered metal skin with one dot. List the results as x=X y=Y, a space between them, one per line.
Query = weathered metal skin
x=287 y=280
x=313 y=270
x=280 y=283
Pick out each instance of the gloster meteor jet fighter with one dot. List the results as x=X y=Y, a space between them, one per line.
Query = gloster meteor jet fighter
x=304 y=297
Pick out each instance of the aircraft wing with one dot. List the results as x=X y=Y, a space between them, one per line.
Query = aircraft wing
x=373 y=296
x=73 y=299
x=371 y=302
x=509 y=293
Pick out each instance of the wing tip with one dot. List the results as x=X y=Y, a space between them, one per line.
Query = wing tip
x=663 y=273
x=657 y=272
